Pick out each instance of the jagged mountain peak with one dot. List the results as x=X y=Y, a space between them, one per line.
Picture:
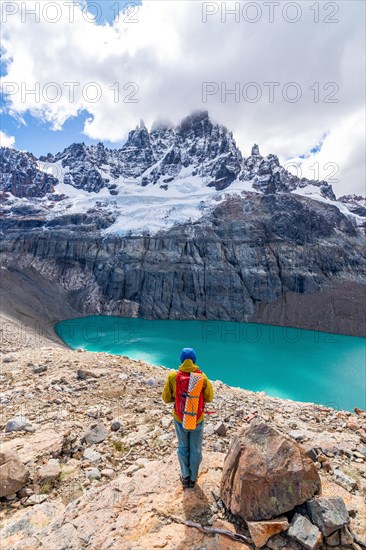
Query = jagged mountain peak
x=255 y=150
x=185 y=167
x=21 y=177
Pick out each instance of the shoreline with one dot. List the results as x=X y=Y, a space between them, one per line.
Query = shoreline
x=271 y=333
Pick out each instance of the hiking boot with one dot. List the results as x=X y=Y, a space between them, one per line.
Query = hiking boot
x=185 y=482
x=191 y=484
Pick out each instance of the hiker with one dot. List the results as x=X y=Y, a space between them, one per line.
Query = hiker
x=189 y=389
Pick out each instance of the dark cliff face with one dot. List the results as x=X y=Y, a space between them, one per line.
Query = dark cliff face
x=248 y=252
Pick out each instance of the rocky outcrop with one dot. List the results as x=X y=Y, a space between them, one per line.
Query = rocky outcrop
x=20 y=175
x=268 y=176
x=13 y=473
x=355 y=203
x=266 y=474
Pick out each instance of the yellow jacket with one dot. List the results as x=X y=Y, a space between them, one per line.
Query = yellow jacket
x=170 y=387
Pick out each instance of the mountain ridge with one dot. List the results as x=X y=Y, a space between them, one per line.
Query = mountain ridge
x=183 y=240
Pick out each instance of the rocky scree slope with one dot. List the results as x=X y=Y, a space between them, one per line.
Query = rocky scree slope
x=97 y=441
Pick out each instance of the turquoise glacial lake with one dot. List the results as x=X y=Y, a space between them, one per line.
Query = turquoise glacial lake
x=290 y=363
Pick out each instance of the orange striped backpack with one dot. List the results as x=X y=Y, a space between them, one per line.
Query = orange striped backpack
x=189 y=402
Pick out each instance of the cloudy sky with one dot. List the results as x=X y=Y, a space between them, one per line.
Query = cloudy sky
x=286 y=75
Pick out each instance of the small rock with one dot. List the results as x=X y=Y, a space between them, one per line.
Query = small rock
x=346 y=537
x=303 y=531
x=83 y=374
x=92 y=456
x=297 y=435
x=329 y=514
x=36 y=499
x=116 y=425
x=39 y=369
x=96 y=433
x=93 y=412
x=48 y=472
x=261 y=531
x=108 y=472
x=152 y=382
x=220 y=429
x=29 y=428
x=16 y=424
x=333 y=539
x=25 y=492
x=353 y=424
x=9 y=359
x=344 y=480
x=93 y=473
x=218 y=447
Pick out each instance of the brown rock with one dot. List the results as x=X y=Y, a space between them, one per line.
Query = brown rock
x=261 y=531
x=83 y=374
x=266 y=474
x=37 y=445
x=48 y=472
x=346 y=537
x=333 y=539
x=353 y=424
x=13 y=473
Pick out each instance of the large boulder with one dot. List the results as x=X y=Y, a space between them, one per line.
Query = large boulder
x=13 y=473
x=266 y=474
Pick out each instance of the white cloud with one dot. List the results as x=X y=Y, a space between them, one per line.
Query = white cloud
x=170 y=52
x=5 y=140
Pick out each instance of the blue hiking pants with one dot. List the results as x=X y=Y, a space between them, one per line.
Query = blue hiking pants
x=189 y=449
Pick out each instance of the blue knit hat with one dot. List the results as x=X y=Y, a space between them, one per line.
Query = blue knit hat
x=188 y=353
